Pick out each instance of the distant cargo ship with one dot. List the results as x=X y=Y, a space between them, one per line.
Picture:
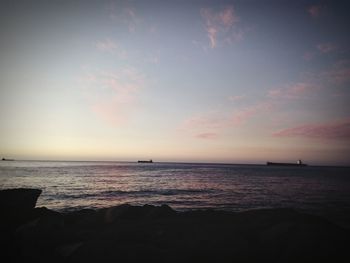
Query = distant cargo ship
x=4 y=159
x=298 y=163
x=145 y=161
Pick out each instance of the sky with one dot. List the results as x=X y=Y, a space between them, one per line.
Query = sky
x=184 y=81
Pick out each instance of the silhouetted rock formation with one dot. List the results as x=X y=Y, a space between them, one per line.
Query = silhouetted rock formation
x=18 y=199
x=149 y=233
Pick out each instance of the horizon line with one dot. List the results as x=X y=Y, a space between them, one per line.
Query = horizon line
x=174 y=162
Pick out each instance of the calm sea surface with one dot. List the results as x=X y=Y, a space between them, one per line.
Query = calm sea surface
x=76 y=185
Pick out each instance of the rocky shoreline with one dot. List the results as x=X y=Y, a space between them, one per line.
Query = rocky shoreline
x=149 y=233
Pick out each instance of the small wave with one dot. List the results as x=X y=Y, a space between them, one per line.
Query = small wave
x=159 y=192
x=70 y=196
x=111 y=193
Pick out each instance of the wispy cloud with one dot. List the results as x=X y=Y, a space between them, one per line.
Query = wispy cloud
x=204 y=122
x=107 y=45
x=124 y=13
x=204 y=126
x=338 y=74
x=221 y=24
x=316 y=11
x=331 y=130
x=292 y=91
x=207 y=135
x=131 y=19
x=111 y=47
x=211 y=125
x=331 y=80
x=308 y=55
x=112 y=95
x=241 y=116
x=326 y=47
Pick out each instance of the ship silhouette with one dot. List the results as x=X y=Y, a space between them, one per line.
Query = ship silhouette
x=298 y=163
x=145 y=161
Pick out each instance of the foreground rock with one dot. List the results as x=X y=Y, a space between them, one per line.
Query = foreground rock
x=18 y=200
x=159 y=234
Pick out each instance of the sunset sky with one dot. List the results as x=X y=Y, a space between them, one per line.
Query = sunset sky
x=192 y=81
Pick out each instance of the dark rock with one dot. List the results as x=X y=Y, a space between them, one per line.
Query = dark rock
x=66 y=250
x=108 y=251
x=128 y=212
x=124 y=211
x=38 y=238
x=150 y=233
x=19 y=200
x=84 y=217
x=160 y=212
x=17 y=207
x=285 y=235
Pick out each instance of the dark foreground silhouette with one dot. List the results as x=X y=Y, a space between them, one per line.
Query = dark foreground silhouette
x=160 y=234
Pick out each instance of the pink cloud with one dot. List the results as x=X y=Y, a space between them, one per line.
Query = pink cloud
x=110 y=46
x=207 y=122
x=227 y=17
x=124 y=13
x=326 y=47
x=315 y=11
x=341 y=76
x=210 y=126
x=205 y=126
x=207 y=135
x=235 y=36
x=328 y=80
x=308 y=55
x=109 y=112
x=294 y=91
x=212 y=31
x=220 y=23
x=331 y=130
x=131 y=19
x=241 y=116
x=339 y=73
x=107 y=45
x=113 y=95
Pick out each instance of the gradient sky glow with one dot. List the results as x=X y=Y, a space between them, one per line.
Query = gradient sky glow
x=194 y=81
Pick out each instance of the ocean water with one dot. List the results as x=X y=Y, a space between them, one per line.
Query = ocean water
x=77 y=185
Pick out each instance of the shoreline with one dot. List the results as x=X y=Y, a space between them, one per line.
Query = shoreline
x=150 y=233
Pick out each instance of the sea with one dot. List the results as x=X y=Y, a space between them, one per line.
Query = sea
x=67 y=186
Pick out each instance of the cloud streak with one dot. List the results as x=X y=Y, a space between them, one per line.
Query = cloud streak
x=220 y=23
x=107 y=45
x=292 y=91
x=111 y=47
x=211 y=125
x=241 y=116
x=333 y=130
x=112 y=95
x=326 y=47
x=207 y=135
x=315 y=11
x=205 y=121
x=124 y=13
x=338 y=74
